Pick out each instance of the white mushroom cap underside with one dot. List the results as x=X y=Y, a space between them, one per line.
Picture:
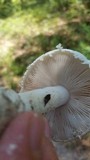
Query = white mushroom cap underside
x=72 y=70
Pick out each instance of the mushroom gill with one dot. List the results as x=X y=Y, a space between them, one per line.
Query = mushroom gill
x=71 y=70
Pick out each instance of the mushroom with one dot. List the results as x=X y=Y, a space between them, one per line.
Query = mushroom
x=57 y=84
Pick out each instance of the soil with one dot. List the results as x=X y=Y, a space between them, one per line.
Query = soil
x=77 y=150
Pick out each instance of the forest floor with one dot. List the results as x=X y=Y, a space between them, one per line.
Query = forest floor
x=76 y=150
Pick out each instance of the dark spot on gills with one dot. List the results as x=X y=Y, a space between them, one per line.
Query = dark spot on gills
x=47 y=98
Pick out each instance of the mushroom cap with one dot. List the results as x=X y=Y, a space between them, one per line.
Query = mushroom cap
x=70 y=69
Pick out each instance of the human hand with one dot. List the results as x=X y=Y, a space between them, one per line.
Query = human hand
x=27 y=138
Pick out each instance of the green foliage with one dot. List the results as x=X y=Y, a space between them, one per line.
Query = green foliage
x=5 y=10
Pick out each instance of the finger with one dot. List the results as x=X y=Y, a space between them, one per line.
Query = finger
x=44 y=132
x=36 y=135
x=21 y=137
x=48 y=150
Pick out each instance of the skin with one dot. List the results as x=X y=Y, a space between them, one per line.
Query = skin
x=27 y=137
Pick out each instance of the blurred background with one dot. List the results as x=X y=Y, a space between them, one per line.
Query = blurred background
x=29 y=28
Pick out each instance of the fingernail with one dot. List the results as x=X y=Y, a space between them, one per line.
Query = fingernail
x=47 y=129
x=36 y=132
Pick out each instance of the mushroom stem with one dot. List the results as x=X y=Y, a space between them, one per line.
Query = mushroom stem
x=39 y=100
x=45 y=99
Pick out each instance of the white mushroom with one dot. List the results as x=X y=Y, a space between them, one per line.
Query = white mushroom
x=68 y=72
x=57 y=84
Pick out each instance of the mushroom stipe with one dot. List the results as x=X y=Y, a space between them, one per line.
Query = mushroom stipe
x=57 y=84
